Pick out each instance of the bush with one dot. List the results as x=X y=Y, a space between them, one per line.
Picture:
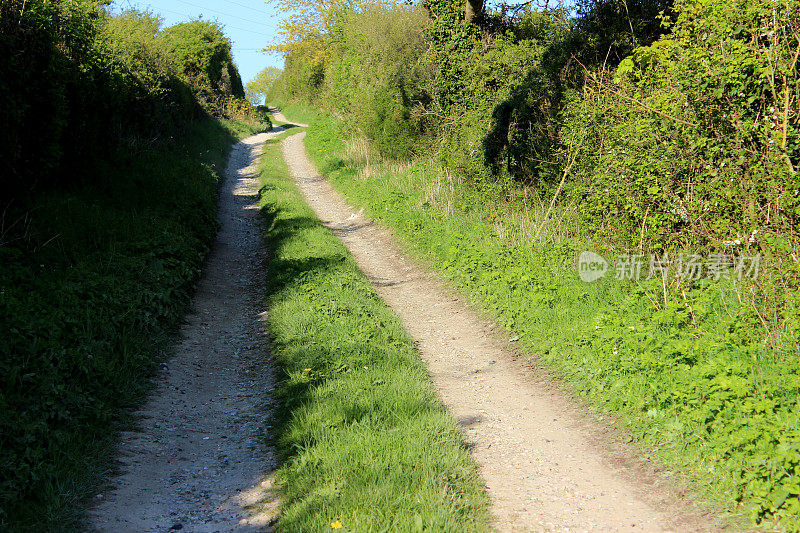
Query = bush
x=92 y=81
x=106 y=219
x=704 y=149
x=146 y=92
x=204 y=54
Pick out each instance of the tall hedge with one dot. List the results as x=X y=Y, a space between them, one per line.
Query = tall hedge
x=204 y=54
x=77 y=81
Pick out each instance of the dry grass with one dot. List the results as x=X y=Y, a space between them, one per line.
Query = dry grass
x=520 y=219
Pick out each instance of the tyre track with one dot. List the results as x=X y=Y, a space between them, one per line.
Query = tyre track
x=198 y=462
x=546 y=466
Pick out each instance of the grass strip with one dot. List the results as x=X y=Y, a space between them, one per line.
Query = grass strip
x=94 y=280
x=365 y=443
x=295 y=111
x=687 y=374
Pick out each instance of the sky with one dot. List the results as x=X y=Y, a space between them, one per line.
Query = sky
x=249 y=24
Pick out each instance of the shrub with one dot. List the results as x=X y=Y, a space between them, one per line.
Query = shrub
x=204 y=54
x=703 y=148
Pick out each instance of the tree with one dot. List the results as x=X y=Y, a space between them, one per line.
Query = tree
x=308 y=25
x=258 y=88
x=204 y=53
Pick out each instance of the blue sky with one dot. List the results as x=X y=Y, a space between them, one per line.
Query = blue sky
x=250 y=24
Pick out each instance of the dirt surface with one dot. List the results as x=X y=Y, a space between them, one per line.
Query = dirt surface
x=547 y=466
x=198 y=462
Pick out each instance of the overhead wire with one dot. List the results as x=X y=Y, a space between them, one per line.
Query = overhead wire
x=189 y=16
x=150 y=7
x=215 y=11
x=247 y=7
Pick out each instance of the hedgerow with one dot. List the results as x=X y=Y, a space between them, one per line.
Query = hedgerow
x=652 y=127
x=109 y=189
x=77 y=82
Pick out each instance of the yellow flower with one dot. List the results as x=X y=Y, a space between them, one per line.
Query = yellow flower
x=306 y=370
x=336 y=525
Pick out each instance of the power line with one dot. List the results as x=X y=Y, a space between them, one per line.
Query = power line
x=151 y=8
x=247 y=7
x=251 y=31
x=216 y=11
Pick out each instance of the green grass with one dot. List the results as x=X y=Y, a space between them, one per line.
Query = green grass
x=93 y=281
x=295 y=111
x=687 y=374
x=363 y=438
x=240 y=128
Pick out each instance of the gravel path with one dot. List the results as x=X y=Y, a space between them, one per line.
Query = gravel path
x=198 y=462
x=547 y=466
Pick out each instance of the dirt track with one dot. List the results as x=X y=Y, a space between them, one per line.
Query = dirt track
x=198 y=462
x=546 y=466
x=198 y=459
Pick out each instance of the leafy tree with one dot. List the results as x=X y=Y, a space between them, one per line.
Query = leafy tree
x=146 y=81
x=204 y=53
x=309 y=26
x=259 y=87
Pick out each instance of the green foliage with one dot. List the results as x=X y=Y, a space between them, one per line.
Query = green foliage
x=241 y=111
x=371 y=73
x=506 y=111
x=453 y=45
x=372 y=76
x=295 y=112
x=78 y=83
x=145 y=89
x=607 y=31
x=204 y=53
x=259 y=87
x=93 y=279
x=364 y=439
x=693 y=374
x=683 y=365
x=703 y=152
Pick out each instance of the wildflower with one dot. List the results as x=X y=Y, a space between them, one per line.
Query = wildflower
x=336 y=525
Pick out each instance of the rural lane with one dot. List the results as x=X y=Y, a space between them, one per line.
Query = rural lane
x=197 y=460
x=547 y=465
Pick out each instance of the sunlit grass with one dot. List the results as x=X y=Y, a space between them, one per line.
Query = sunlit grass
x=683 y=367
x=365 y=442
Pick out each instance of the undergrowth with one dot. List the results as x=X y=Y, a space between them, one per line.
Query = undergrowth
x=94 y=277
x=684 y=366
x=366 y=446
